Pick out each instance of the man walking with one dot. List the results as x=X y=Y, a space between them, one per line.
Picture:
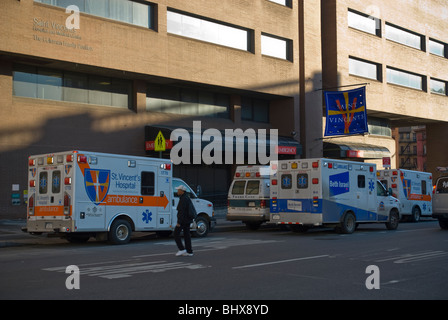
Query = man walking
x=183 y=223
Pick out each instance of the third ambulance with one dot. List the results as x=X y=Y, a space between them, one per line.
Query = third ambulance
x=412 y=188
x=332 y=193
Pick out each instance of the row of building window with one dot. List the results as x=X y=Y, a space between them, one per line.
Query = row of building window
x=372 y=25
x=140 y=14
x=372 y=70
x=200 y=28
x=50 y=84
x=183 y=24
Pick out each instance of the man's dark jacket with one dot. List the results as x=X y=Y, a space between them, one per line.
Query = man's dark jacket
x=183 y=210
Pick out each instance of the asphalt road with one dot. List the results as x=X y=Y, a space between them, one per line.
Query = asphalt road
x=233 y=263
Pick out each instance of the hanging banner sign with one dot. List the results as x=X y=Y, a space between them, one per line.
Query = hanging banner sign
x=346 y=112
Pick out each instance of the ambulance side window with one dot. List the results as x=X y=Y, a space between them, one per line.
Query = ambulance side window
x=361 y=181
x=147 y=183
x=56 y=182
x=43 y=182
x=423 y=187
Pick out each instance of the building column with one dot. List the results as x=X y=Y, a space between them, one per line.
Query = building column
x=436 y=144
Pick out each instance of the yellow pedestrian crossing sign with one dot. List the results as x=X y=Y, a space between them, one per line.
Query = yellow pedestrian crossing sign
x=160 y=142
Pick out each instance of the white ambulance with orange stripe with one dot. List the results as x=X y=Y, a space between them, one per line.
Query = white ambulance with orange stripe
x=79 y=194
x=412 y=188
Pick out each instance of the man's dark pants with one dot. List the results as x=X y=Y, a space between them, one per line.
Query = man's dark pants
x=187 y=237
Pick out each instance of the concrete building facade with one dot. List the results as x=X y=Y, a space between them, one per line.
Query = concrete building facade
x=134 y=68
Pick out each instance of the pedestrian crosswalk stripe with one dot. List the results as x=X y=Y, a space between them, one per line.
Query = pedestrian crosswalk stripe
x=114 y=270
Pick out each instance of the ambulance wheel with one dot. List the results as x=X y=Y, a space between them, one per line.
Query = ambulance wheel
x=202 y=227
x=120 y=232
x=394 y=220
x=443 y=223
x=348 y=224
x=416 y=213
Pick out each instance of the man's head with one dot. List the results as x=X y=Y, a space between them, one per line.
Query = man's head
x=181 y=190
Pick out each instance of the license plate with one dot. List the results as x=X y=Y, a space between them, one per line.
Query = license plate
x=48 y=225
x=251 y=204
x=276 y=217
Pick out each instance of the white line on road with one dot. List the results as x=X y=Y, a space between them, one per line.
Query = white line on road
x=278 y=262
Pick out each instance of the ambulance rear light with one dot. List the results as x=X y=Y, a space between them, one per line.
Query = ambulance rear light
x=31 y=205
x=274 y=166
x=67 y=202
x=330 y=165
x=371 y=169
x=394 y=186
x=68 y=181
x=69 y=158
x=395 y=173
x=258 y=174
x=247 y=174
x=32 y=183
x=32 y=162
x=237 y=174
x=433 y=189
x=263 y=204
x=82 y=159
x=274 y=182
x=315 y=181
x=315 y=165
x=50 y=160
x=294 y=165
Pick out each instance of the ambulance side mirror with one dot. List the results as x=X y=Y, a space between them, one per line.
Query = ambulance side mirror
x=199 y=190
x=389 y=192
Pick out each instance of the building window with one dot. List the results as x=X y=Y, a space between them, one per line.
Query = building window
x=43 y=83
x=201 y=29
x=287 y=3
x=254 y=109
x=364 y=22
x=140 y=14
x=438 y=86
x=379 y=127
x=363 y=68
x=406 y=37
x=187 y=101
x=276 y=47
x=438 y=48
x=406 y=79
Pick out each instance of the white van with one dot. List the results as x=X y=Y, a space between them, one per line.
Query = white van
x=248 y=197
x=78 y=194
x=412 y=188
x=333 y=193
x=440 y=200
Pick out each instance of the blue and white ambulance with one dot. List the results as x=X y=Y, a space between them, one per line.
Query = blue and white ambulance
x=332 y=193
x=79 y=194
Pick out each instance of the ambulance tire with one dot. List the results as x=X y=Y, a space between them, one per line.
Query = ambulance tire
x=394 y=220
x=416 y=213
x=120 y=232
x=202 y=227
x=348 y=223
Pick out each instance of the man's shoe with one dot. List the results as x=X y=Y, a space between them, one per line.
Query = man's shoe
x=181 y=253
x=186 y=254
